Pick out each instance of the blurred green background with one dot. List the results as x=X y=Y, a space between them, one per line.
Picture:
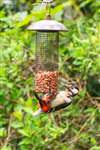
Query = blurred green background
x=78 y=126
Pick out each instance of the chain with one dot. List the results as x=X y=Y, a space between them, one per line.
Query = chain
x=48 y=4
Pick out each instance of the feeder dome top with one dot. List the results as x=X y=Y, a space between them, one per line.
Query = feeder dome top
x=47 y=25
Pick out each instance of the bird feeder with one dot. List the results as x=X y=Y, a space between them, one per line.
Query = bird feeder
x=47 y=54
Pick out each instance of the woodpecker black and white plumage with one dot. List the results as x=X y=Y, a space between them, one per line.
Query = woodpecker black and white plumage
x=62 y=100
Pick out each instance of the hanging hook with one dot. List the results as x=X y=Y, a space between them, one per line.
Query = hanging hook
x=48 y=5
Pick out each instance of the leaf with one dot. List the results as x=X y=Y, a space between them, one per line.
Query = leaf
x=6 y=148
x=29 y=103
x=95 y=148
x=29 y=18
x=17 y=124
x=24 y=132
x=86 y=2
x=28 y=110
x=18 y=115
x=61 y=7
x=25 y=141
x=2 y=132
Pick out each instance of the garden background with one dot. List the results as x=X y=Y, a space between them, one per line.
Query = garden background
x=77 y=127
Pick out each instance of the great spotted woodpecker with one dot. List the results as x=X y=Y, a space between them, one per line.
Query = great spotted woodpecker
x=62 y=100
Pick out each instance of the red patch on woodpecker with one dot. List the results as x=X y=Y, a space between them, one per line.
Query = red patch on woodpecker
x=45 y=107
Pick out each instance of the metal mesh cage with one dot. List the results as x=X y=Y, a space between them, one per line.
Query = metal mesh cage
x=47 y=55
x=47 y=59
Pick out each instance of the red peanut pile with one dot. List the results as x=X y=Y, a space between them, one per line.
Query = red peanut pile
x=46 y=82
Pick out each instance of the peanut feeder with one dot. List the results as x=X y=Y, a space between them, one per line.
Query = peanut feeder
x=47 y=55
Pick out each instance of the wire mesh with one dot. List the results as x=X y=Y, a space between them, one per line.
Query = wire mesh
x=47 y=60
x=47 y=55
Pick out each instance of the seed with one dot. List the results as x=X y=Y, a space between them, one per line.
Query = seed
x=46 y=81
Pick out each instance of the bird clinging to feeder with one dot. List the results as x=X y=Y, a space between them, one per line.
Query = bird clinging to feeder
x=47 y=64
x=61 y=100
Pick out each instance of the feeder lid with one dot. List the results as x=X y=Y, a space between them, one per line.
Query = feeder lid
x=47 y=25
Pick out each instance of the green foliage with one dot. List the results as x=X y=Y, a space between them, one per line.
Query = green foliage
x=75 y=128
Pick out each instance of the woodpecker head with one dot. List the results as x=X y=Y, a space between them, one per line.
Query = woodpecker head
x=74 y=90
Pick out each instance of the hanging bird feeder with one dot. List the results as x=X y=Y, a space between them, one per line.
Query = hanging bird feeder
x=47 y=54
x=47 y=61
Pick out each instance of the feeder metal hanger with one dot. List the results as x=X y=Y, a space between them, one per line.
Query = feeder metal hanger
x=47 y=24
